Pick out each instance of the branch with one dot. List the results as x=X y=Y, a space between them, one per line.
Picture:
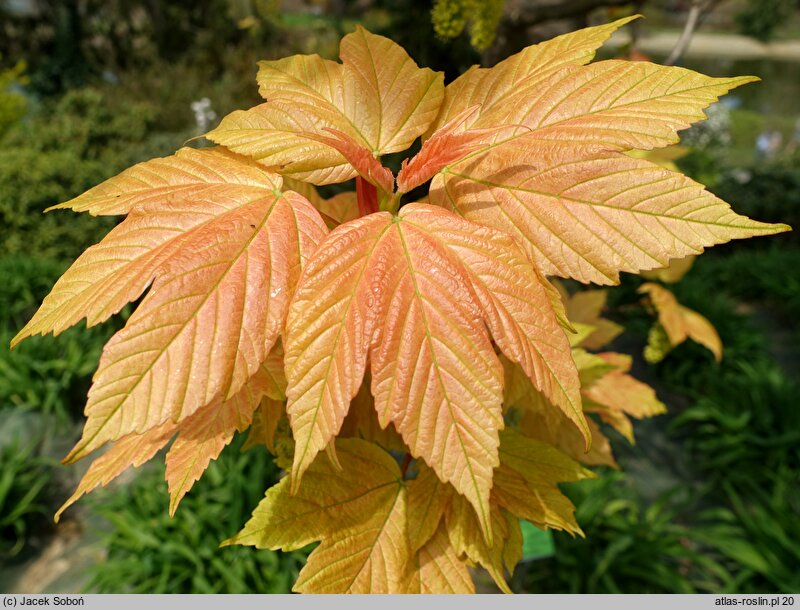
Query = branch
x=699 y=9
x=537 y=11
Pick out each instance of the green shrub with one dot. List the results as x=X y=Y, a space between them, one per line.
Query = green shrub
x=744 y=427
x=630 y=547
x=12 y=103
x=148 y=552
x=25 y=495
x=758 y=536
x=46 y=375
x=67 y=147
x=761 y=18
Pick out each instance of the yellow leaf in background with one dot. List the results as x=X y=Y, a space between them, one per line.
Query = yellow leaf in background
x=680 y=322
x=617 y=395
x=586 y=307
x=673 y=273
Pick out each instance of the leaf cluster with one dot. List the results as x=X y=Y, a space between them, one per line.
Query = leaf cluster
x=416 y=345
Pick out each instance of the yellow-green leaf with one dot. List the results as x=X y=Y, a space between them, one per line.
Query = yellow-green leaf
x=673 y=273
x=681 y=323
x=526 y=483
x=437 y=569
x=428 y=498
x=358 y=512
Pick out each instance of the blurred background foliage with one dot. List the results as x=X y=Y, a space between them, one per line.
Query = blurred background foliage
x=709 y=498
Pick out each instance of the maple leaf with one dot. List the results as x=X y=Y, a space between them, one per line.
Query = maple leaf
x=200 y=438
x=409 y=293
x=222 y=259
x=616 y=395
x=540 y=421
x=494 y=87
x=681 y=323
x=567 y=204
x=585 y=307
x=377 y=97
x=358 y=512
x=436 y=568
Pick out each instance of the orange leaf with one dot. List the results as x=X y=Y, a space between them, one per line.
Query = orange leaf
x=575 y=208
x=377 y=96
x=449 y=143
x=616 y=395
x=222 y=272
x=362 y=159
x=516 y=304
x=585 y=307
x=131 y=450
x=681 y=322
x=493 y=87
x=203 y=436
x=446 y=406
